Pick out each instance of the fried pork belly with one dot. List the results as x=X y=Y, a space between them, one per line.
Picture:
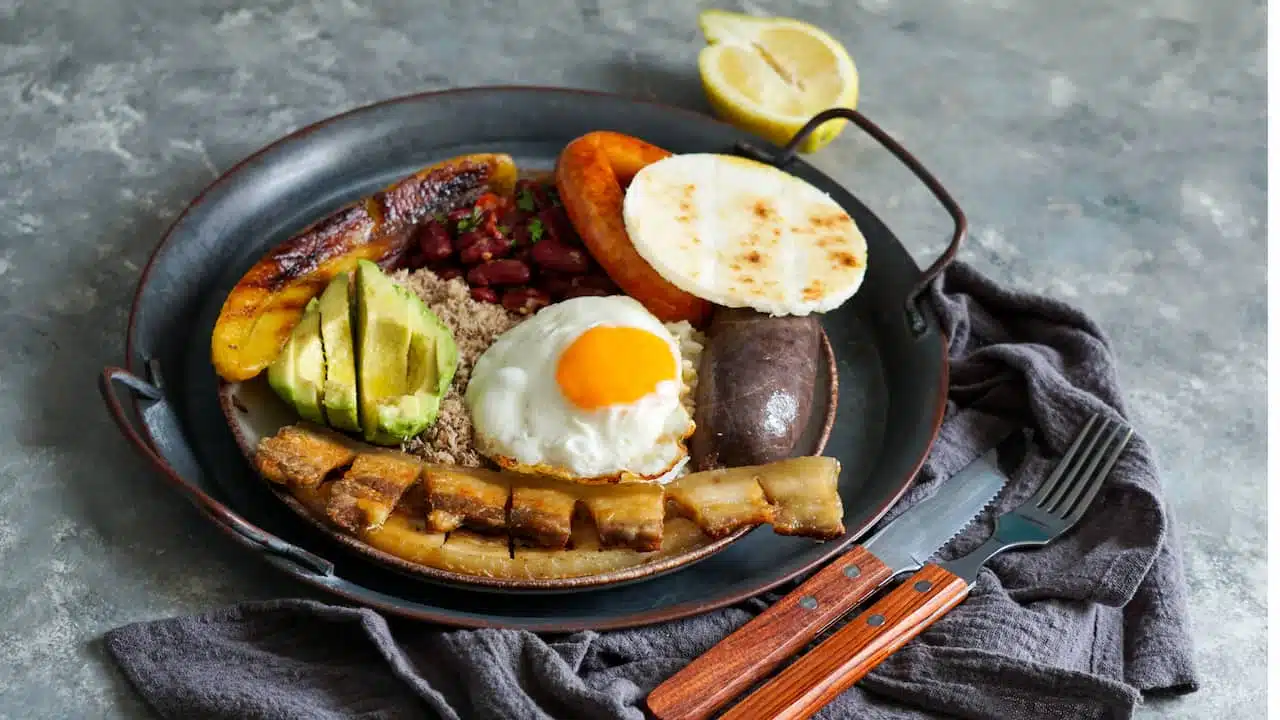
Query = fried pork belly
x=798 y=496
x=367 y=493
x=804 y=497
x=302 y=455
x=627 y=515
x=464 y=517
x=721 y=501
x=541 y=514
x=466 y=497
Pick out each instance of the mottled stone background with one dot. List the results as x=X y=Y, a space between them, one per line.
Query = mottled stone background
x=1109 y=153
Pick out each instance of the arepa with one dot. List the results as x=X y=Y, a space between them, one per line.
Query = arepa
x=740 y=233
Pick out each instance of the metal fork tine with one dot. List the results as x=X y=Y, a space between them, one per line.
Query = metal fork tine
x=1086 y=500
x=1051 y=482
x=1063 y=507
x=1072 y=473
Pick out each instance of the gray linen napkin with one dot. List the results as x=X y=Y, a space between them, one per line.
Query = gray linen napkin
x=1079 y=629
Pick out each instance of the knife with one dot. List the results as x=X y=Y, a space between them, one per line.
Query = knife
x=755 y=649
x=843 y=659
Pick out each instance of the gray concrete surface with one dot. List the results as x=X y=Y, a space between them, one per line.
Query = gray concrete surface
x=1108 y=153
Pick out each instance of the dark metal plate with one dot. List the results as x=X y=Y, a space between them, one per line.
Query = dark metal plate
x=892 y=380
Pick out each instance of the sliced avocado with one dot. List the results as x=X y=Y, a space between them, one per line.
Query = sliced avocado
x=382 y=332
x=433 y=360
x=297 y=375
x=406 y=359
x=340 y=404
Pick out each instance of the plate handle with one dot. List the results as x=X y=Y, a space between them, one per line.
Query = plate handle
x=239 y=528
x=915 y=316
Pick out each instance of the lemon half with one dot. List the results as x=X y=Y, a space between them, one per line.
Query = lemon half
x=770 y=75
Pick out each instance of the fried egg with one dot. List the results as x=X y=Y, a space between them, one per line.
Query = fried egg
x=592 y=389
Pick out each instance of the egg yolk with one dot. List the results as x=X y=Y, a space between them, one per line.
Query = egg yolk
x=614 y=365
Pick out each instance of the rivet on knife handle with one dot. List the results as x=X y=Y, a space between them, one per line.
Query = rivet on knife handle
x=755 y=649
x=841 y=660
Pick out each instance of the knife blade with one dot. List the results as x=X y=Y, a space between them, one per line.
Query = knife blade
x=755 y=649
x=913 y=537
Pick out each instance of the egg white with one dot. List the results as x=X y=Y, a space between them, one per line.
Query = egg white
x=522 y=420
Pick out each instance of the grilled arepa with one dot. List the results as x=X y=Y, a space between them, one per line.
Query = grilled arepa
x=740 y=233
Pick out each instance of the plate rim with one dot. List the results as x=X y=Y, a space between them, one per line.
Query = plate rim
x=368 y=597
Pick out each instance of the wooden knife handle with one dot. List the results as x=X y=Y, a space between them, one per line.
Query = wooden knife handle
x=851 y=652
x=755 y=649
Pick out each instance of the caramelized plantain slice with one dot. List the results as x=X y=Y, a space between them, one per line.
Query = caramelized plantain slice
x=406 y=537
x=365 y=496
x=263 y=308
x=628 y=515
x=722 y=501
x=466 y=497
x=804 y=496
x=475 y=554
x=302 y=455
x=541 y=513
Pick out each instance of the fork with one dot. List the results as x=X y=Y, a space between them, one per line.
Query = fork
x=841 y=660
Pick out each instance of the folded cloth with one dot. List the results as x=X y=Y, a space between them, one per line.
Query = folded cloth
x=1078 y=629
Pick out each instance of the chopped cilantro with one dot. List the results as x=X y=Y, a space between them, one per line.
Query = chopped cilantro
x=525 y=201
x=504 y=229
x=470 y=223
x=535 y=230
x=440 y=217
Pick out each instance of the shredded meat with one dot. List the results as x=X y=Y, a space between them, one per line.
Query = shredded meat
x=475 y=326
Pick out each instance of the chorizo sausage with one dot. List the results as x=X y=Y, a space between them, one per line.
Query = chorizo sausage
x=591 y=173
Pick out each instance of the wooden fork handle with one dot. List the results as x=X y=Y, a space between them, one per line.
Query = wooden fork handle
x=851 y=652
x=754 y=650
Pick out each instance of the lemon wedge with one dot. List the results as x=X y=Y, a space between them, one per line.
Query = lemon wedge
x=769 y=75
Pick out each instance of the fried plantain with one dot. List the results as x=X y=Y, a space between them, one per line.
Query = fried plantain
x=263 y=308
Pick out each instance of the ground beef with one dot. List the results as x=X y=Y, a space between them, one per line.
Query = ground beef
x=475 y=326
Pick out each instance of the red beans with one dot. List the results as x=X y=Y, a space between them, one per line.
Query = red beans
x=594 y=281
x=555 y=283
x=458 y=216
x=484 y=249
x=434 y=243
x=499 y=272
x=557 y=256
x=556 y=225
x=523 y=253
x=412 y=260
x=484 y=294
x=447 y=272
x=468 y=238
x=594 y=285
x=520 y=250
x=584 y=292
x=525 y=300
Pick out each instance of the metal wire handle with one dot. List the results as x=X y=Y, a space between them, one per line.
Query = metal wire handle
x=239 y=528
